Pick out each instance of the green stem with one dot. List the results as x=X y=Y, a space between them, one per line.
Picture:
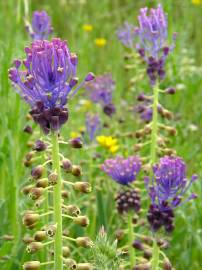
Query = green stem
x=57 y=204
x=130 y=241
x=154 y=125
x=155 y=256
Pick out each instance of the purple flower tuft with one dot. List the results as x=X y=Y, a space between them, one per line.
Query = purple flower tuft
x=93 y=124
x=123 y=171
x=126 y=34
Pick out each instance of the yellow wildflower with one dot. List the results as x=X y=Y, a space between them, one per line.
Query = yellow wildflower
x=100 y=42
x=196 y=2
x=85 y=105
x=82 y=129
x=87 y=27
x=74 y=135
x=108 y=142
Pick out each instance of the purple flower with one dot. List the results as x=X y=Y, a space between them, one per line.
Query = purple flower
x=47 y=79
x=123 y=171
x=41 y=26
x=126 y=34
x=100 y=91
x=152 y=45
x=93 y=124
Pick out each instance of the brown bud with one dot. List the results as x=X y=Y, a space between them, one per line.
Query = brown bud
x=29 y=156
x=65 y=194
x=147 y=254
x=51 y=230
x=167 y=265
x=145 y=266
x=39 y=202
x=26 y=190
x=72 y=210
x=32 y=265
x=76 y=143
x=7 y=237
x=139 y=134
x=71 y=264
x=27 y=163
x=65 y=232
x=40 y=236
x=43 y=183
x=37 y=172
x=169 y=151
x=28 y=239
x=119 y=234
x=76 y=170
x=168 y=115
x=83 y=187
x=52 y=178
x=28 y=117
x=84 y=266
x=172 y=131
x=81 y=220
x=65 y=252
x=34 y=247
x=137 y=244
x=30 y=143
x=147 y=130
x=67 y=165
x=84 y=242
x=28 y=129
x=30 y=218
x=36 y=193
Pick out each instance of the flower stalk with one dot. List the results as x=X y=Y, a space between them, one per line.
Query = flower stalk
x=132 y=254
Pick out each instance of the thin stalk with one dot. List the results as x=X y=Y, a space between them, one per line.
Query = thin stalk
x=57 y=204
x=132 y=254
x=155 y=256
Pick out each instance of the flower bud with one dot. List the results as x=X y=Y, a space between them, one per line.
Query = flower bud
x=51 y=230
x=7 y=237
x=84 y=242
x=84 y=266
x=65 y=252
x=32 y=265
x=43 y=183
x=83 y=187
x=137 y=244
x=81 y=220
x=52 y=178
x=76 y=170
x=168 y=115
x=28 y=239
x=34 y=247
x=170 y=91
x=167 y=265
x=145 y=266
x=36 y=193
x=71 y=264
x=76 y=143
x=147 y=254
x=40 y=236
x=27 y=163
x=29 y=156
x=39 y=146
x=30 y=218
x=28 y=129
x=119 y=234
x=67 y=165
x=37 y=172
x=65 y=194
x=72 y=210
x=26 y=190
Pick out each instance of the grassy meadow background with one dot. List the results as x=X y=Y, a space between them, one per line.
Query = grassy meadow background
x=184 y=71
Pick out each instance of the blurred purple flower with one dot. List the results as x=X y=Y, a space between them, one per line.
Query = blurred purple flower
x=93 y=124
x=48 y=78
x=123 y=171
x=41 y=26
x=126 y=34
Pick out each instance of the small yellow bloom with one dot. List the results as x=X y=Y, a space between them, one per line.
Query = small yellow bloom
x=85 y=104
x=87 y=27
x=196 y=2
x=113 y=149
x=100 y=42
x=108 y=142
x=82 y=129
x=74 y=135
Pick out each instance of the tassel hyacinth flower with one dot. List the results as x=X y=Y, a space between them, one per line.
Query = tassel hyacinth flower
x=93 y=125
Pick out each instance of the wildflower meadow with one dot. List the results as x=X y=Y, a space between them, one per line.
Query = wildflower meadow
x=100 y=135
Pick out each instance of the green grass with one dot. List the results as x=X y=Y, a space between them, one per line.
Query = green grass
x=105 y=16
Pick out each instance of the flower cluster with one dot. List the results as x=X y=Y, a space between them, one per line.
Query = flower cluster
x=123 y=171
x=108 y=142
x=48 y=78
x=100 y=91
x=126 y=34
x=93 y=124
x=169 y=184
x=41 y=26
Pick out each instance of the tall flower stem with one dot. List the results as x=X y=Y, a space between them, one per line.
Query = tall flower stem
x=130 y=241
x=57 y=204
x=155 y=256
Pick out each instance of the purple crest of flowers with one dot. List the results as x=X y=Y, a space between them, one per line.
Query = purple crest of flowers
x=93 y=125
x=48 y=77
x=122 y=171
x=169 y=182
x=126 y=34
x=41 y=26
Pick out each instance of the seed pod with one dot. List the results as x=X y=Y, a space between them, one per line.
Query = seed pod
x=167 y=114
x=84 y=242
x=51 y=230
x=30 y=218
x=172 y=131
x=76 y=170
x=167 y=265
x=119 y=234
x=28 y=239
x=40 y=236
x=65 y=232
x=72 y=210
x=37 y=172
x=30 y=144
x=7 y=237
x=137 y=244
x=29 y=156
x=52 y=178
x=39 y=202
x=65 y=252
x=83 y=187
x=147 y=254
x=65 y=194
x=27 y=163
x=67 y=165
x=71 y=264
x=32 y=265
x=137 y=147
x=76 y=143
x=34 y=247
x=26 y=190
x=36 y=193
x=43 y=183
x=145 y=266
x=84 y=266
x=28 y=129
x=81 y=220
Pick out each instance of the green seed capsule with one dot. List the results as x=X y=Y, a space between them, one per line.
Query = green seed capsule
x=84 y=242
